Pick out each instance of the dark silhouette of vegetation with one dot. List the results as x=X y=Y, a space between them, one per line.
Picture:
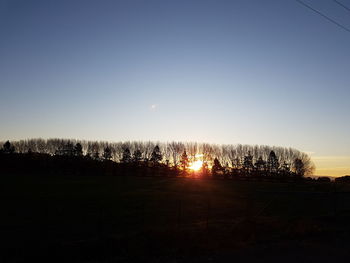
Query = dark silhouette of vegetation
x=126 y=156
x=137 y=157
x=217 y=168
x=272 y=163
x=324 y=179
x=343 y=179
x=299 y=167
x=184 y=161
x=107 y=153
x=161 y=159
x=156 y=157
x=7 y=148
x=78 y=149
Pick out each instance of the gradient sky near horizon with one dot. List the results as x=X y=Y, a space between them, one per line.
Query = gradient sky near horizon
x=251 y=72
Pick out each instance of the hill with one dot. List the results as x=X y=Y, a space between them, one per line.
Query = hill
x=130 y=219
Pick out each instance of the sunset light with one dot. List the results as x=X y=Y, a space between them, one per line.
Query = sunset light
x=176 y=131
x=195 y=166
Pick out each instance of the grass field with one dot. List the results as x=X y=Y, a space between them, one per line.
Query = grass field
x=125 y=219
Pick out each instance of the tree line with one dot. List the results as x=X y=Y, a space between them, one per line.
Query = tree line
x=217 y=160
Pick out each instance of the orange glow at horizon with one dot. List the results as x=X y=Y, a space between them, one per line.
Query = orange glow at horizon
x=196 y=165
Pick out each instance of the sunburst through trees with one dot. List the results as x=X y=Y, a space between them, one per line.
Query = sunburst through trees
x=186 y=159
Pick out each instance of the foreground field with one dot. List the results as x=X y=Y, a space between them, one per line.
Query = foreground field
x=124 y=219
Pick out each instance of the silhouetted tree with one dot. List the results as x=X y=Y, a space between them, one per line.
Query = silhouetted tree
x=89 y=151
x=272 y=163
x=66 y=150
x=207 y=151
x=184 y=161
x=137 y=157
x=148 y=148
x=126 y=156
x=308 y=165
x=236 y=158
x=96 y=155
x=216 y=167
x=299 y=167
x=260 y=165
x=78 y=149
x=248 y=163
x=204 y=169
x=285 y=169
x=175 y=149
x=8 y=148
x=107 y=153
x=236 y=163
x=324 y=179
x=156 y=156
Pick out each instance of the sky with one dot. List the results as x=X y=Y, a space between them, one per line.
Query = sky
x=252 y=72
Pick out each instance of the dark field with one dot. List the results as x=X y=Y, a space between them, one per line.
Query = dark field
x=128 y=219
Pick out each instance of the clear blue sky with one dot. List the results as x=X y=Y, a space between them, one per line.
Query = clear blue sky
x=255 y=72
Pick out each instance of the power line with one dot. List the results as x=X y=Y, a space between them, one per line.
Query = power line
x=323 y=15
x=342 y=5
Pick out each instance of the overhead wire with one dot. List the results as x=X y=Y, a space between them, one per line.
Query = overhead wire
x=342 y=5
x=323 y=15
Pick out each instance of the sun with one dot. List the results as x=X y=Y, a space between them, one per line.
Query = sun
x=196 y=165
